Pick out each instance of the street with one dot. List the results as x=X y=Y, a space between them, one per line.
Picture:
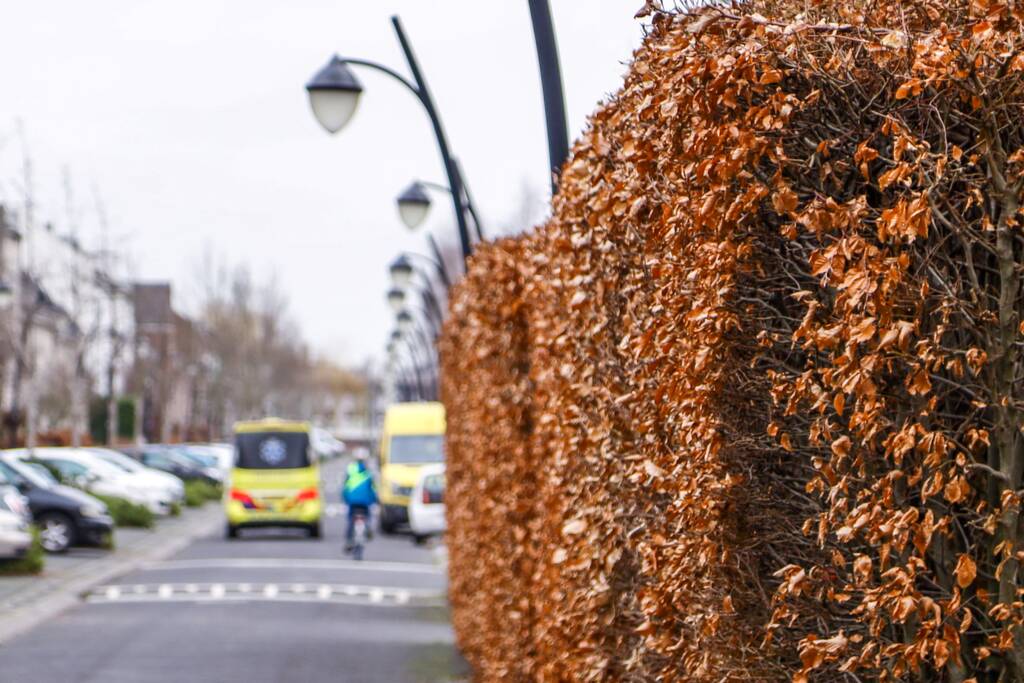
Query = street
x=271 y=606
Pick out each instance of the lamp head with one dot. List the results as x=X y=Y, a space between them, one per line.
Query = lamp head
x=401 y=270
x=413 y=205
x=334 y=94
x=396 y=299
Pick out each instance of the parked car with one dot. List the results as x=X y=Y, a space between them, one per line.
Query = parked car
x=426 y=504
x=167 y=460
x=173 y=484
x=86 y=471
x=64 y=516
x=216 y=461
x=15 y=537
x=325 y=445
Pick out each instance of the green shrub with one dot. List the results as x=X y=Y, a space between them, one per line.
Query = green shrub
x=198 y=492
x=126 y=513
x=175 y=509
x=32 y=563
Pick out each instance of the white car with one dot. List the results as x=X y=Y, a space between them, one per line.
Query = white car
x=15 y=537
x=175 y=487
x=86 y=471
x=426 y=504
x=325 y=445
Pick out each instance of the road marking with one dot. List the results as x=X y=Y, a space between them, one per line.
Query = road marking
x=192 y=592
x=284 y=563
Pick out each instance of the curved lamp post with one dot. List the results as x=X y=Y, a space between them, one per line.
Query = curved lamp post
x=334 y=93
x=402 y=271
x=414 y=205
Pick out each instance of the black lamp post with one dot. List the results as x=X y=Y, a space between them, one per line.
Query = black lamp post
x=334 y=95
x=414 y=205
x=551 y=84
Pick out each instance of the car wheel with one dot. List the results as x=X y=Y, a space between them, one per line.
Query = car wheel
x=56 y=532
x=314 y=530
x=387 y=524
x=231 y=531
x=420 y=539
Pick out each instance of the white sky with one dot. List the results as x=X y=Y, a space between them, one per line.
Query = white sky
x=191 y=119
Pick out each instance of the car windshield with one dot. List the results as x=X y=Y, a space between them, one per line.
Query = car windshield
x=273 y=450
x=37 y=475
x=122 y=462
x=35 y=472
x=95 y=465
x=204 y=459
x=416 y=448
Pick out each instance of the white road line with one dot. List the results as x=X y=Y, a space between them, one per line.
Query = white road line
x=298 y=589
x=376 y=595
x=402 y=597
x=437 y=601
x=285 y=563
x=351 y=590
x=165 y=591
x=270 y=591
x=217 y=591
x=113 y=593
x=244 y=587
x=191 y=588
x=139 y=589
x=324 y=592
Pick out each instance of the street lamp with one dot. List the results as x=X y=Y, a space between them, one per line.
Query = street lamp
x=396 y=299
x=334 y=95
x=404 y=322
x=413 y=205
x=401 y=270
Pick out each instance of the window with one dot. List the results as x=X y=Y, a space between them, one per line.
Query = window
x=157 y=460
x=273 y=450
x=416 y=448
x=65 y=470
x=433 y=489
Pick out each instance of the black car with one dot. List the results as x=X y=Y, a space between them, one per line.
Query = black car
x=64 y=516
x=166 y=460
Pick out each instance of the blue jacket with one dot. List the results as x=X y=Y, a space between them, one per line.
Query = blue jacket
x=358 y=488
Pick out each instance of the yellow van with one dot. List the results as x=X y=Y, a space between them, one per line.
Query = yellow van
x=275 y=480
x=413 y=436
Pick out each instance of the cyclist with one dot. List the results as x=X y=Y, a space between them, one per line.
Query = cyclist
x=358 y=493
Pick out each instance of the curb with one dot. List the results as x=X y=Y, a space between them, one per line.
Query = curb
x=33 y=607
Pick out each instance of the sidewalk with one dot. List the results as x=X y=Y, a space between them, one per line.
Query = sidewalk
x=26 y=601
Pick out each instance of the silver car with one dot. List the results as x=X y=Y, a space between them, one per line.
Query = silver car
x=15 y=538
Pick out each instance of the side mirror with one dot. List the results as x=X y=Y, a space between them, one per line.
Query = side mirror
x=23 y=487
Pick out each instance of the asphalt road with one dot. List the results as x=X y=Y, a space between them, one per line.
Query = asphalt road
x=270 y=607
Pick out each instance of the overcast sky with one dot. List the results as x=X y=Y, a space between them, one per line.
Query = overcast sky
x=190 y=118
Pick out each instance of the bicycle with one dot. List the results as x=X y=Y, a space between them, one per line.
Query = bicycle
x=359 y=535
